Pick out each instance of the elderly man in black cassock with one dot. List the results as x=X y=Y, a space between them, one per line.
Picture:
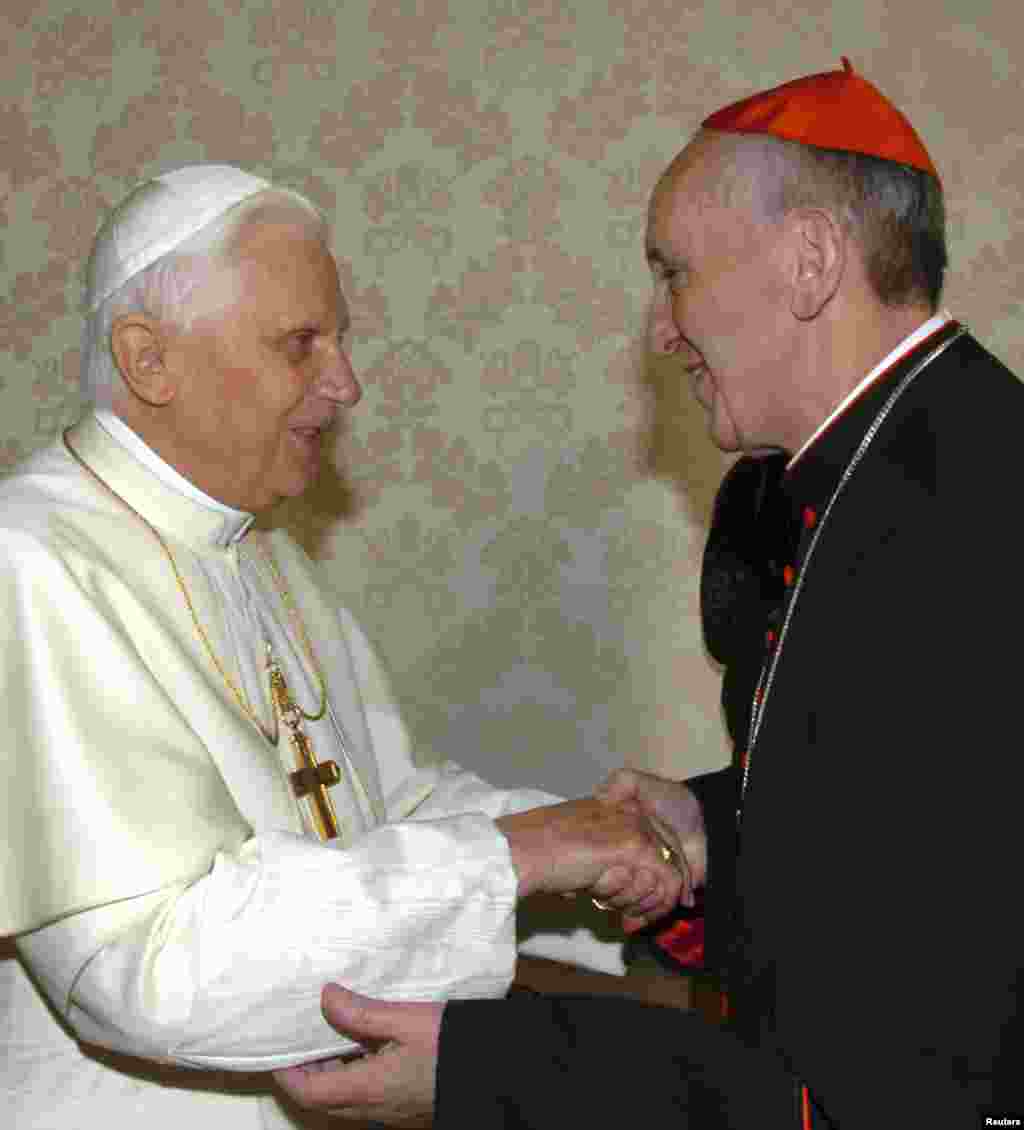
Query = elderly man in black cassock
x=857 y=859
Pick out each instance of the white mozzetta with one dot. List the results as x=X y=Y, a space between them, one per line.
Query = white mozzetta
x=168 y=893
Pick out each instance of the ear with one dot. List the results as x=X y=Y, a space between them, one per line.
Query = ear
x=138 y=345
x=820 y=250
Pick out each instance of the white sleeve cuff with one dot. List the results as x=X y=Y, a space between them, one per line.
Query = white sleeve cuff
x=228 y=973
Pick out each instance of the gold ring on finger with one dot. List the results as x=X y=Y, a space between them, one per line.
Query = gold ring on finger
x=601 y=905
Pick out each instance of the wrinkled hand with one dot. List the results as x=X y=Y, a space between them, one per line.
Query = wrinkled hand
x=612 y=851
x=393 y=1085
x=673 y=810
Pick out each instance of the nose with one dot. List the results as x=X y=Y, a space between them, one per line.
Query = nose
x=664 y=337
x=337 y=381
x=663 y=334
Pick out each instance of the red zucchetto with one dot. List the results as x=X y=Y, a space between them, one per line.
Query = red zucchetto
x=832 y=110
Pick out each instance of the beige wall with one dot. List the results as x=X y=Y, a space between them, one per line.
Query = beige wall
x=486 y=162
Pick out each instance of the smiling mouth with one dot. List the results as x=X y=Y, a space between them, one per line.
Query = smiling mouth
x=314 y=430
x=698 y=375
x=310 y=438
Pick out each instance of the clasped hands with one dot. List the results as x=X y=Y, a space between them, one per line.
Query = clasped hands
x=611 y=846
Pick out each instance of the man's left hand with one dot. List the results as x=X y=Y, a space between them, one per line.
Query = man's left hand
x=392 y=1085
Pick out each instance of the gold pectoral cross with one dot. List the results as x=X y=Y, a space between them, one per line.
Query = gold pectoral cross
x=311 y=777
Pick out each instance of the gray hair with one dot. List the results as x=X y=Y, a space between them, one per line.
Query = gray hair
x=169 y=288
x=895 y=213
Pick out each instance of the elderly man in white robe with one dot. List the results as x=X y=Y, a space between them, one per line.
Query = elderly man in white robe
x=209 y=801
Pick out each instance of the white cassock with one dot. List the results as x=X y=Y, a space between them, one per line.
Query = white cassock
x=167 y=890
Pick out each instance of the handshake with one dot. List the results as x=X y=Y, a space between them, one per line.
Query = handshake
x=636 y=847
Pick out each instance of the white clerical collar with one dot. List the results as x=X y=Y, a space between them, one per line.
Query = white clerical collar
x=926 y=329
x=232 y=525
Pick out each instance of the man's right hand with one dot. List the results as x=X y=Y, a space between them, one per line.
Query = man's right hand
x=673 y=810
x=611 y=851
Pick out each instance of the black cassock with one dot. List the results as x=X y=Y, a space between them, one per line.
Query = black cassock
x=866 y=917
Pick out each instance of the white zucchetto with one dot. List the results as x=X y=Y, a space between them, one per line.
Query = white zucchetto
x=159 y=215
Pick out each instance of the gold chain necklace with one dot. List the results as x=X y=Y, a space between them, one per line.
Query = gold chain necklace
x=311 y=778
x=276 y=676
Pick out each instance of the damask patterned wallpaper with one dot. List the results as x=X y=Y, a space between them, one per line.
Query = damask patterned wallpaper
x=517 y=508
